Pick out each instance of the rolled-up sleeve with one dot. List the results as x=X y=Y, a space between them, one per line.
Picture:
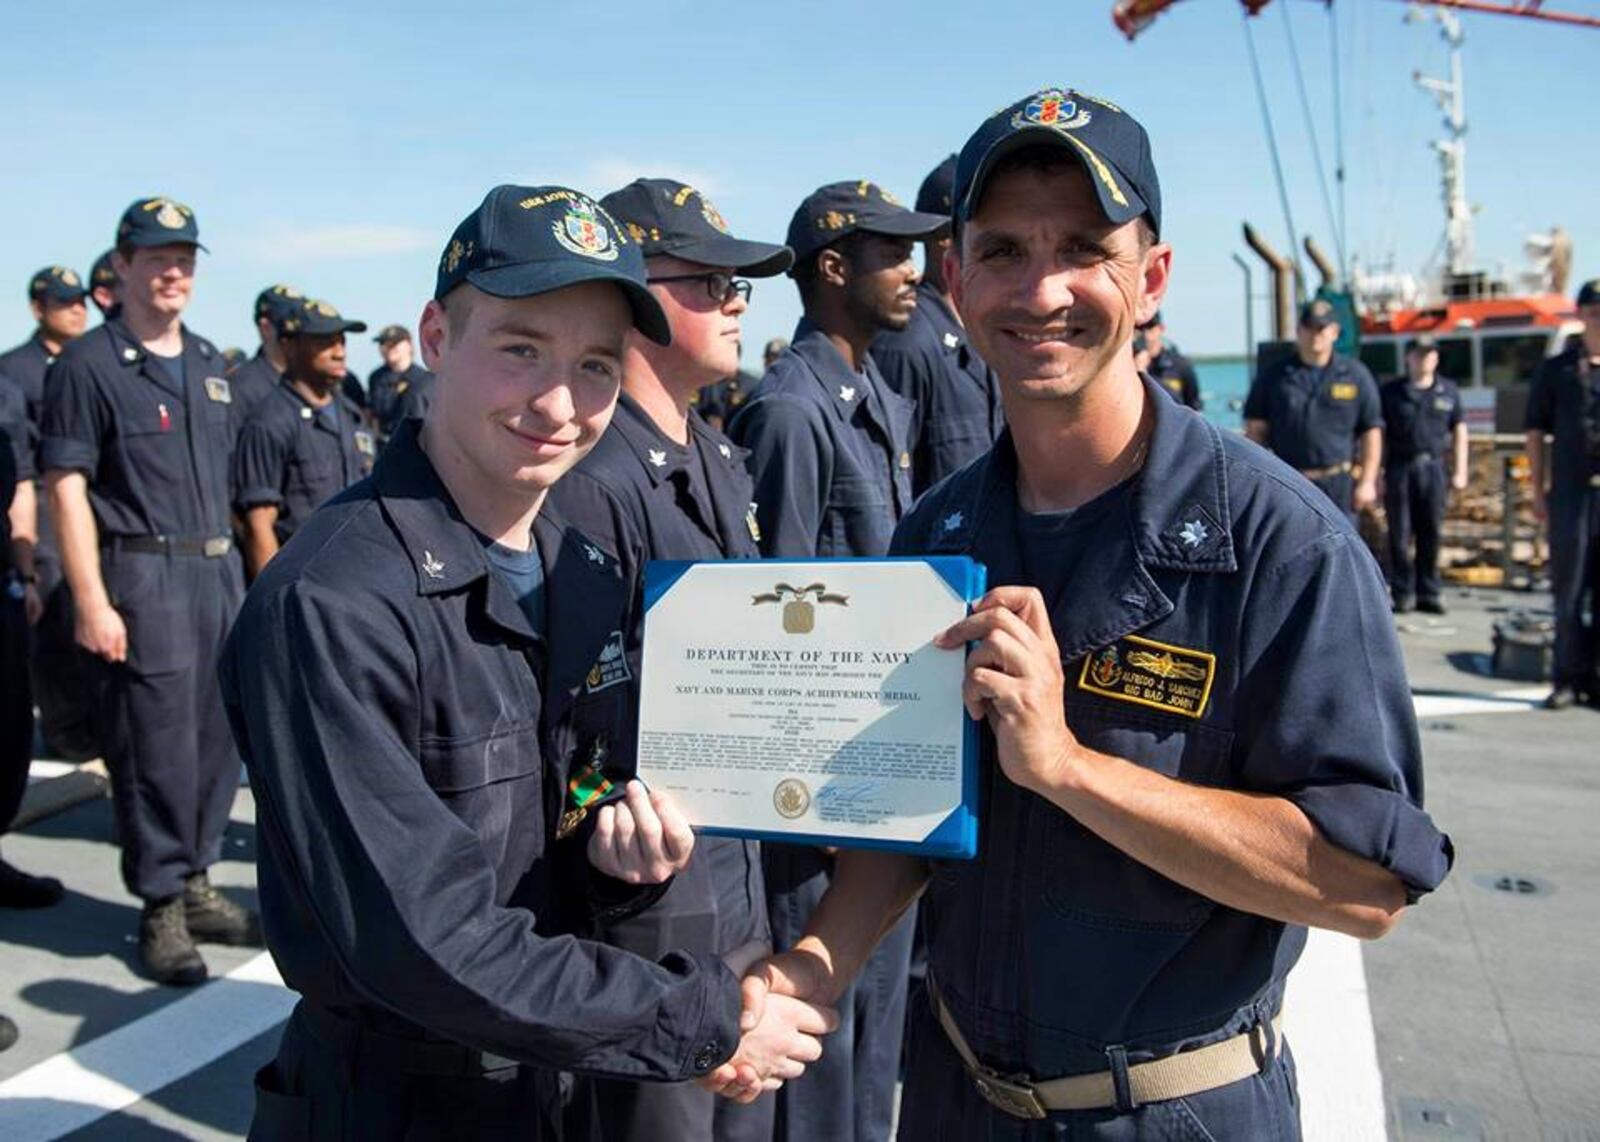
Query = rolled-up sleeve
x=259 y=460
x=75 y=419
x=17 y=436
x=320 y=690
x=1328 y=722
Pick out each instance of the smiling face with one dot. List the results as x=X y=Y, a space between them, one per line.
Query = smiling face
x=157 y=279
x=705 y=332
x=1050 y=291
x=526 y=385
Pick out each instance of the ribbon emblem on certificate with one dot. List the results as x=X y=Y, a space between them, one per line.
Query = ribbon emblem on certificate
x=799 y=613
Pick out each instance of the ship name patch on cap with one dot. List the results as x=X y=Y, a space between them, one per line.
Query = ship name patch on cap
x=1149 y=673
x=1053 y=108
x=581 y=231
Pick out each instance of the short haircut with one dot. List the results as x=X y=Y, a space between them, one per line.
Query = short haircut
x=805 y=271
x=458 y=305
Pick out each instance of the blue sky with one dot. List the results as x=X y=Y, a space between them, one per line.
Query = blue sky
x=335 y=146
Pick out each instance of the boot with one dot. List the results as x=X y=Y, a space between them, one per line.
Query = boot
x=8 y=1033
x=19 y=890
x=165 y=945
x=214 y=918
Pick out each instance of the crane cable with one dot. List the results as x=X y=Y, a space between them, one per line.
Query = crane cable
x=1311 y=132
x=1338 y=141
x=1272 y=148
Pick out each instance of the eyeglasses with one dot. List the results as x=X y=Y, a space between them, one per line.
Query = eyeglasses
x=720 y=287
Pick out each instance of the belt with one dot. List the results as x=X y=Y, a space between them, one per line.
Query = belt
x=1329 y=470
x=396 y=1052
x=211 y=547
x=1176 y=1076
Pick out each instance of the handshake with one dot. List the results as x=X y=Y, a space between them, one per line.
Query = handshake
x=785 y=1012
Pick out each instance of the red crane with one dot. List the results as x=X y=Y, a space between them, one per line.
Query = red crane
x=1133 y=16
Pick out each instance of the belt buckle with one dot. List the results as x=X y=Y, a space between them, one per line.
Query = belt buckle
x=1014 y=1096
x=217 y=547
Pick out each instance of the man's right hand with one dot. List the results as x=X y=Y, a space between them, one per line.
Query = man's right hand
x=785 y=1011
x=101 y=632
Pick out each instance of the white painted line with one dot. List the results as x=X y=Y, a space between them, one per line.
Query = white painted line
x=41 y=770
x=1518 y=701
x=68 y=1091
x=1328 y=1023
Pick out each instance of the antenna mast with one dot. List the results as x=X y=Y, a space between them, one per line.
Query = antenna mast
x=1451 y=97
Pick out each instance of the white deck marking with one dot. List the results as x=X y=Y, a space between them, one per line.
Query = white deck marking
x=1328 y=1023
x=1518 y=701
x=68 y=1091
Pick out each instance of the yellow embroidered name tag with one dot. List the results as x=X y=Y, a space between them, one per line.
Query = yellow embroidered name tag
x=1343 y=391
x=1149 y=673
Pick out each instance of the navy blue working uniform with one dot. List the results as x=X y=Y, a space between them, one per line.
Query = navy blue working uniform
x=253 y=382
x=57 y=666
x=1564 y=402
x=17 y=450
x=643 y=496
x=930 y=362
x=1175 y=373
x=1418 y=427
x=388 y=393
x=295 y=456
x=1314 y=416
x=830 y=452
x=717 y=403
x=830 y=455
x=155 y=440
x=408 y=736
x=1218 y=623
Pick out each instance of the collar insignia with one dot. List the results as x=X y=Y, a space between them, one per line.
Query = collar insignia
x=951 y=340
x=130 y=354
x=953 y=521
x=431 y=567
x=727 y=453
x=847 y=392
x=658 y=457
x=592 y=554
x=1194 y=532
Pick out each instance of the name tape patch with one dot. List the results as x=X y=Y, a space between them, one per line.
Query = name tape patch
x=1343 y=390
x=1150 y=673
x=610 y=668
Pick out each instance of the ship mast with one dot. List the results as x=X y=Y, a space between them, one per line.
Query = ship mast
x=1451 y=97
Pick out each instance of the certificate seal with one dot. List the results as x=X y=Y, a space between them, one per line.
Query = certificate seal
x=791 y=798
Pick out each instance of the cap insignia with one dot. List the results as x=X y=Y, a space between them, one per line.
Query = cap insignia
x=169 y=214
x=1054 y=109
x=581 y=231
x=69 y=278
x=713 y=216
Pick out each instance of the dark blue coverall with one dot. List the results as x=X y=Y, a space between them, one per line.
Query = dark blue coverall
x=409 y=737
x=59 y=669
x=156 y=457
x=1565 y=403
x=1218 y=623
x=1417 y=428
x=295 y=457
x=253 y=382
x=958 y=413
x=642 y=496
x=17 y=449
x=830 y=455
x=1314 y=416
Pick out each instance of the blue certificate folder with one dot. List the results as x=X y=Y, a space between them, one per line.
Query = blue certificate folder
x=956 y=837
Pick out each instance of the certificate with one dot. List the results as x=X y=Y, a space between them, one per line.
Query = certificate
x=806 y=702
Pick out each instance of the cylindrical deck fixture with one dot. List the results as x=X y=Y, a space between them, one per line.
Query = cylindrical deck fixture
x=1282 y=284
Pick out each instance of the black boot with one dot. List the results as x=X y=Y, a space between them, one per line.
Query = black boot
x=214 y=918
x=165 y=945
x=19 y=890
x=1564 y=695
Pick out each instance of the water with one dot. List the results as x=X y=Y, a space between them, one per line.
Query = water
x=1224 y=383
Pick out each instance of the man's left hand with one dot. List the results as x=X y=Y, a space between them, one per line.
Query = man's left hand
x=642 y=839
x=1366 y=494
x=1014 y=679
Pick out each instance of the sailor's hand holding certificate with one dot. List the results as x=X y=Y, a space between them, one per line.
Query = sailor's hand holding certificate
x=806 y=701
